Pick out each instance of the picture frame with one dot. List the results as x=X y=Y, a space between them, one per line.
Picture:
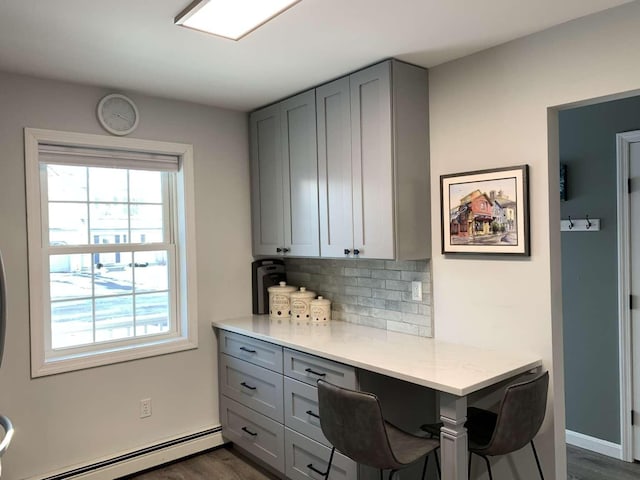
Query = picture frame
x=486 y=212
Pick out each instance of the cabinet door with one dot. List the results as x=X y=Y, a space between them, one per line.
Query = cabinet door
x=300 y=180
x=266 y=181
x=334 y=168
x=372 y=161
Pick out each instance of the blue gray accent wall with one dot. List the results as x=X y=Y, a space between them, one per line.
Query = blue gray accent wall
x=376 y=293
x=589 y=265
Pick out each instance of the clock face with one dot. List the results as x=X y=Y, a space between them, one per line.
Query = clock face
x=118 y=114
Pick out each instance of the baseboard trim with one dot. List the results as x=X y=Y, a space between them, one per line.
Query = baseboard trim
x=594 y=444
x=142 y=459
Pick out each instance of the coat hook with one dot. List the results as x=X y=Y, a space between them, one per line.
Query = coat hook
x=588 y=222
x=570 y=223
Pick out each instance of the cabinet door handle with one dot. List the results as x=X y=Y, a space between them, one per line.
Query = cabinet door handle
x=311 y=467
x=309 y=370
x=310 y=412
x=279 y=250
x=347 y=251
x=253 y=434
x=285 y=250
x=248 y=350
x=356 y=251
x=245 y=385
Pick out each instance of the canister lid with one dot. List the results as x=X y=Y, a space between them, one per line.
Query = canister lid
x=321 y=301
x=282 y=288
x=303 y=293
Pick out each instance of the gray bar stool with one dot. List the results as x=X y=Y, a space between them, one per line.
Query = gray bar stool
x=352 y=421
x=517 y=421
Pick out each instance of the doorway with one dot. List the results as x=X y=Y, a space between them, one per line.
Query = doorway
x=594 y=373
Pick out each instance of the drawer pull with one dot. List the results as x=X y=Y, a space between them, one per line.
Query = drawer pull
x=246 y=385
x=253 y=434
x=311 y=467
x=309 y=370
x=309 y=412
x=248 y=350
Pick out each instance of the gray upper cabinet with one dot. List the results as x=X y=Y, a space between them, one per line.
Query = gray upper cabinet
x=373 y=162
x=285 y=178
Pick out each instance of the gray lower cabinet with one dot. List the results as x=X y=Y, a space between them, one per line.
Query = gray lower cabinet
x=255 y=387
x=301 y=409
x=309 y=369
x=306 y=458
x=258 y=352
x=254 y=432
x=272 y=413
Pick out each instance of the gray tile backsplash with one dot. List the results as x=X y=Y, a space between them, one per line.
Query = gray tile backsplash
x=376 y=293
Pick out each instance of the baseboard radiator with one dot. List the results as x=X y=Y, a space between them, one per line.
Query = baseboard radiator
x=144 y=458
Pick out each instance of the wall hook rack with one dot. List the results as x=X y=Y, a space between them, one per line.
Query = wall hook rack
x=580 y=224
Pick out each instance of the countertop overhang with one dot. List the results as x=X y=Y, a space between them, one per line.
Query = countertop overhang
x=448 y=367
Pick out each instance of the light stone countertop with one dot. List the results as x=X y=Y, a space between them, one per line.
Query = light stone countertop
x=446 y=367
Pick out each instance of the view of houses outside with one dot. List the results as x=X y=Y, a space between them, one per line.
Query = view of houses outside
x=483 y=213
x=107 y=293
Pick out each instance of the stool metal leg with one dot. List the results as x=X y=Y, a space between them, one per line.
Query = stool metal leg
x=535 y=454
x=424 y=469
x=486 y=459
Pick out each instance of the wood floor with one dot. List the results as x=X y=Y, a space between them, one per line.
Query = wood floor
x=220 y=464
x=227 y=464
x=586 y=465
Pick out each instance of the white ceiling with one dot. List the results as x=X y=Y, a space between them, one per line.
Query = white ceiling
x=133 y=44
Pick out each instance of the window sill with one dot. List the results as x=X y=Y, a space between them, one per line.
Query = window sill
x=112 y=355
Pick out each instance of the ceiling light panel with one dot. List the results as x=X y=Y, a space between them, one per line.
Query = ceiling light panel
x=231 y=18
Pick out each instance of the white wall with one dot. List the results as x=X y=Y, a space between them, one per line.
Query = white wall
x=491 y=110
x=81 y=416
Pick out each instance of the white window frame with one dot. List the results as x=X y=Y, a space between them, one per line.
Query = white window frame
x=186 y=337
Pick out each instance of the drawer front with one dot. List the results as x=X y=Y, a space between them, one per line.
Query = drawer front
x=260 y=353
x=305 y=459
x=252 y=386
x=256 y=433
x=301 y=409
x=309 y=368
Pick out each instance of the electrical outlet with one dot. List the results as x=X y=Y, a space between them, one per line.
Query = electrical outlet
x=416 y=291
x=145 y=407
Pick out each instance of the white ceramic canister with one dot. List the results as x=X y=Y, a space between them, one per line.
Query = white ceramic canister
x=279 y=300
x=320 y=310
x=301 y=304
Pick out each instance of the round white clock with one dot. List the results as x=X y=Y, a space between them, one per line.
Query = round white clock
x=118 y=114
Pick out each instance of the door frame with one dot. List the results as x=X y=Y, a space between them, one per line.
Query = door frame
x=623 y=141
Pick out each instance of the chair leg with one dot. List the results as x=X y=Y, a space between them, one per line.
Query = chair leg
x=391 y=473
x=424 y=469
x=435 y=452
x=333 y=450
x=381 y=478
x=535 y=454
x=486 y=459
x=469 y=468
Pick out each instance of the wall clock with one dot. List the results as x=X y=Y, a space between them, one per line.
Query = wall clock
x=118 y=114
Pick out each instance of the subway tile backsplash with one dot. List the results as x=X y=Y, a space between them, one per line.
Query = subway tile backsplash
x=376 y=293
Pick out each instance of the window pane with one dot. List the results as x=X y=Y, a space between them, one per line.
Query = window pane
x=107 y=185
x=71 y=323
x=152 y=313
x=145 y=187
x=146 y=223
x=67 y=224
x=114 y=275
x=151 y=271
x=70 y=276
x=66 y=183
x=109 y=223
x=114 y=318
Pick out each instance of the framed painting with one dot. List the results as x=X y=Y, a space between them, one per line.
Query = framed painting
x=486 y=211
